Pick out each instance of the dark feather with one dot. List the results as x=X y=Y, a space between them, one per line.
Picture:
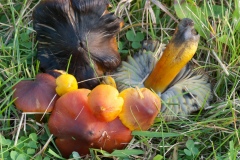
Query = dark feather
x=188 y=92
x=80 y=30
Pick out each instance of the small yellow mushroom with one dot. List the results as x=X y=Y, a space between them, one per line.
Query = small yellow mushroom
x=66 y=83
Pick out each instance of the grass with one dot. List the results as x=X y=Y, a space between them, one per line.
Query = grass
x=210 y=134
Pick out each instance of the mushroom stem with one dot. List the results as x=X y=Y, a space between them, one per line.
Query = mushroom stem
x=177 y=54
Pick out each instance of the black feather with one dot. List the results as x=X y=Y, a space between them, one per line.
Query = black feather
x=79 y=29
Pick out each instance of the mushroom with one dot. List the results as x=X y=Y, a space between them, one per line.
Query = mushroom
x=105 y=103
x=140 y=108
x=66 y=83
x=182 y=88
x=78 y=34
x=67 y=145
x=72 y=116
x=73 y=122
x=37 y=95
x=115 y=136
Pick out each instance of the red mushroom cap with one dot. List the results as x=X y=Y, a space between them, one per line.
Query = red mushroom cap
x=67 y=145
x=35 y=96
x=72 y=117
x=73 y=123
x=116 y=136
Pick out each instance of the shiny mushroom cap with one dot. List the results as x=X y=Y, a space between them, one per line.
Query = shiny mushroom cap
x=73 y=122
x=37 y=95
x=140 y=108
x=105 y=103
x=66 y=83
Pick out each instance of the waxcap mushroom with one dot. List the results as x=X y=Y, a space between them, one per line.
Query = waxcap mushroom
x=140 y=108
x=73 y=122
x=115 y=136
x=72 y=117
x=105 y=103
x=66 y=83
x=36 y=96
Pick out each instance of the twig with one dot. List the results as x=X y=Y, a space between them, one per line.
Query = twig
x=48 y=106
x=220 y=62
x=19 y=127
x=44 y=147
x=162 y=7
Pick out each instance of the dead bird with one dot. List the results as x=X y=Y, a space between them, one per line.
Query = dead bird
x=78 y=37
x=172 y=76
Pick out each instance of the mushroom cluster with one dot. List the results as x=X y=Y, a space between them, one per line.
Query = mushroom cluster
x=100 y=118
x=81 y=35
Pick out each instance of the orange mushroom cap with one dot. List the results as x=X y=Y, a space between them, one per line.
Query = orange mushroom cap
x=72 y=117
x=73 y=123
x=105 y=103
x=115 y=136
x=37 y=95
x=140 y=108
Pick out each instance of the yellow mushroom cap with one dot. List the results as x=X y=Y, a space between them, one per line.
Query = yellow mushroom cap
x=105 y=103
x=110 y=81
x=66 y=83
x=140 y=108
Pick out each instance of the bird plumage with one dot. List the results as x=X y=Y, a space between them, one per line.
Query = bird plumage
x=188 y=92
x=177 y=54
x=190 y=89
x=80 y=34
